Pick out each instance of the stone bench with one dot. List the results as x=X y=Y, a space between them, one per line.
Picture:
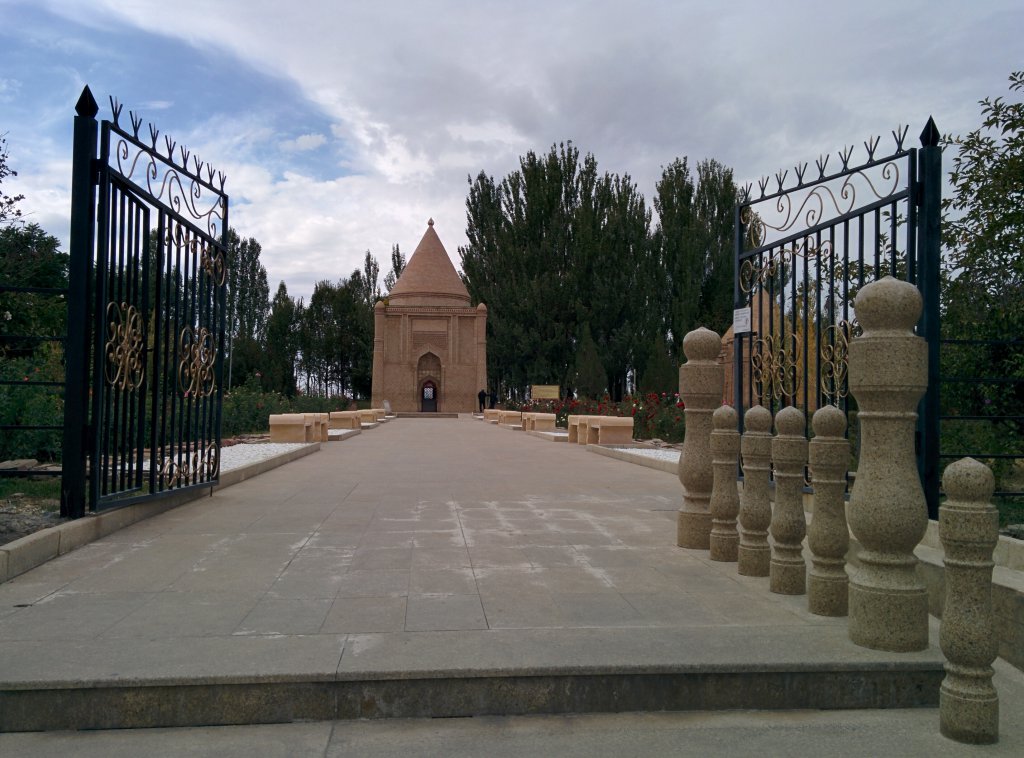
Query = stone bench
x=510 y=418
x=574 y=427
x=368 y=416
x=291 y=427
x=609 y=430
x=345 y=420
x=320 y=423
x=539 y=422
x=491 y=415
x=381 y=414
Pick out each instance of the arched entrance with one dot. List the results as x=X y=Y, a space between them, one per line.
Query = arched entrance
x=428 y=397
x=428 y=377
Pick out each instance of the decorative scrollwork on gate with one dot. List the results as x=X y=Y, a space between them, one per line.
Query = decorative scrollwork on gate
x=196 y=367
x=814 y=200
x=211 y=258
x=124 y=367
x=835 y=359
x=191 y=467
x=758 y=274
x=177 y=178
x=773 y=366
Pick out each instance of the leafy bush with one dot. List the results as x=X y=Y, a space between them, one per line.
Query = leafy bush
x=247 y=408
x=654 y=416
x=25 y=404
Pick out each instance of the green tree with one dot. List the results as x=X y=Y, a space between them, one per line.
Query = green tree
x=554 y=245
x=336 y=334
x=29 y=257
x=715 y=201
x=660 y=372
x=248 y=306
x=674 y=237
x=282 y=348
x=694 y=239
x=9 y=212
x=983 y=277
x=248 y=294
x=397 y=267
x=591 y=381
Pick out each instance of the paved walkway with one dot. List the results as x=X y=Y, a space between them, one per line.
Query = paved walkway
x=421 y=549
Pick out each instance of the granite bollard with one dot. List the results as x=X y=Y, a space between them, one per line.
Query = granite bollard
x=828 y=535
x=701 y=380
x=787 y=569
x=887 y=514
x=725 y=497
x=969 y=530
x=754 y=554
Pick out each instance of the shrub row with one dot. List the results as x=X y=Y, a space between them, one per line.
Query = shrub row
x=654 y=416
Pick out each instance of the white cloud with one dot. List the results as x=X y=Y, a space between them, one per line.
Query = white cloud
x=304 y=143
x=417 y=96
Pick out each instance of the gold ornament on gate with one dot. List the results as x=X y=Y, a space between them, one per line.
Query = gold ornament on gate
x=124 y=367
x=835 y=348
x=198 y=357
x=773 y=364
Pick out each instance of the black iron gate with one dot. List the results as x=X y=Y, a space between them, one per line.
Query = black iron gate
x=146 y=316
x=803 y=252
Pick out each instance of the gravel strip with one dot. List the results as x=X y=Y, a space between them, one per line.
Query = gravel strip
x=239 y=456
x=661 y=454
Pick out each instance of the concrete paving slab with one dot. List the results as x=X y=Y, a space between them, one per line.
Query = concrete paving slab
x=356 y=581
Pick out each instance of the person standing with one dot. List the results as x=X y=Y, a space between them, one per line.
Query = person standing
x=482 y=397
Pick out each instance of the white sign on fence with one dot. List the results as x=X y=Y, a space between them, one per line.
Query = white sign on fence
x=741 y=320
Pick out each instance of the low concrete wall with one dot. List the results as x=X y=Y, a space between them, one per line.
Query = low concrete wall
x=35 y=549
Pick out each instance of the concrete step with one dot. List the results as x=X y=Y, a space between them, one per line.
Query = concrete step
x=447 y=675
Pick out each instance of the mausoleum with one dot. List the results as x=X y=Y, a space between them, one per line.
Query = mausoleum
x=429 y=343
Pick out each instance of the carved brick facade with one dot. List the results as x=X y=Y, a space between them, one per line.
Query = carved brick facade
x=428 y=339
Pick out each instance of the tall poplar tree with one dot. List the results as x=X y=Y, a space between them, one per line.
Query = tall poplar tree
x=552 y=246
x=282 y=348
x=694 y=239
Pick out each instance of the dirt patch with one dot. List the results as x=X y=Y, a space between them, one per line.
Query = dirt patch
x=21 y=515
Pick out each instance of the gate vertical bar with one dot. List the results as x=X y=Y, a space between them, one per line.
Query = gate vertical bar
x=76 y=377
x=929 y=230
x=737 y=339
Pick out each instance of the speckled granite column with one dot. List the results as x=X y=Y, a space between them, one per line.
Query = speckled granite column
x=969 y=530
x=828 y=536
x=788 y=572
x=700 y=387
x=887 y=513
x=754 y=554
x=725 y=497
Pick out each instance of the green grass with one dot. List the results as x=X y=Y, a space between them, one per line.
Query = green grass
x=48 y=488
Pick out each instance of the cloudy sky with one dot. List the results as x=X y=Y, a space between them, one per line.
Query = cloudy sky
x=342 y=125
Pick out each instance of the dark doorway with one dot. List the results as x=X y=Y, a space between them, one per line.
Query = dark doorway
x=428 y=397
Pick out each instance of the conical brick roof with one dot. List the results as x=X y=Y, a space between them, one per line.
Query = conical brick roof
x=429 y=278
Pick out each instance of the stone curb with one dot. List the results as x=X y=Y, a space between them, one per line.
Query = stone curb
x=33 y=550
x=640 y=460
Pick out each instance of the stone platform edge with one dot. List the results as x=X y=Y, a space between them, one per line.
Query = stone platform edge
x=124 y=707
x=33 y=550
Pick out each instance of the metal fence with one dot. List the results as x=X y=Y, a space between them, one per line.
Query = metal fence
x=146 y=316
x=806 y=246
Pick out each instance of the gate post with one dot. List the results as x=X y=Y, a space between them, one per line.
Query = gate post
x=76 y=377
x=929 y=230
